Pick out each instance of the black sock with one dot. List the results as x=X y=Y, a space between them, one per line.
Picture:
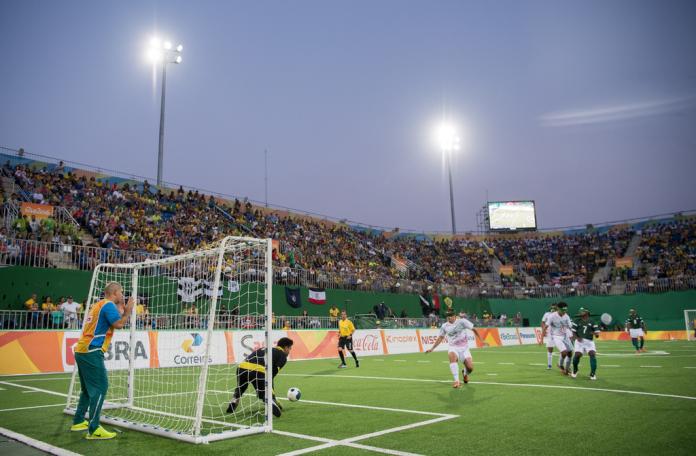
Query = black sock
x=355 y=357
x=576 y=361
x=343 y=358
x=642 y=341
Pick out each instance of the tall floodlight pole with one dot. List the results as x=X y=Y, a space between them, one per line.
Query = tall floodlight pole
x=265 y=173
x=449 y=143
x=163 y=52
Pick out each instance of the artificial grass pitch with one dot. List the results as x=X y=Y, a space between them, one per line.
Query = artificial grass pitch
x=640 y=404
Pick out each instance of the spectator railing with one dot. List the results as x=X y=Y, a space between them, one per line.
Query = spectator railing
x=57 y=320
x=39 y=319
x=31 y=253
x=62 y=215
x=10 y=212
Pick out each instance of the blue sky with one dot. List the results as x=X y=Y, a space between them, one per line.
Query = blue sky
x=586 y=107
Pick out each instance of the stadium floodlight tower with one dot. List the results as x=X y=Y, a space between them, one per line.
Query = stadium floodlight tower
x=448 y=140
x=163 y=52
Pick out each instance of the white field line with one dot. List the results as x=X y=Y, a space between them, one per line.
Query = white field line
x=62 y=404
x=537 y=364
x=610 y=365
x=351 y=441
x=23 y=380
x=378 y=360
x=43 y=446
x=31 y=388
x=347 y=442
x=650 y=366
x=507 y=364
x=492 y=375
x=521 y=385
x=399 y=360
x=689 y=367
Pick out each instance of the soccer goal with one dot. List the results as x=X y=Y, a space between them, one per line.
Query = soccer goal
x=172 y=370
x=690 y=322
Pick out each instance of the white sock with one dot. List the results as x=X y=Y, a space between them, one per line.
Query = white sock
x=454 y=368
x=466 y=371
x=549 y=357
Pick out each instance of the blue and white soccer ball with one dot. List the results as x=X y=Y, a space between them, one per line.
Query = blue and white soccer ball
x=294 y=394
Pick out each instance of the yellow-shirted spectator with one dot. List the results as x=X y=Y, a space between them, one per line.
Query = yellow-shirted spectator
x=48 y=305
x=30 y=302
x=345 y=339
x=333 y=315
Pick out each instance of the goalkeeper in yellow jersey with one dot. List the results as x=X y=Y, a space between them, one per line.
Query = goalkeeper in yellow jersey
x=345 y=339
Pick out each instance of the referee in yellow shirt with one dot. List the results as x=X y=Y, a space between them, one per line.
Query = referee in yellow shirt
x=345 y=339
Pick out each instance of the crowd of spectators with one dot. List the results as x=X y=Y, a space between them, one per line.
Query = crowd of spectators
x=562 y=259
x=140 y=218
x=668 y=250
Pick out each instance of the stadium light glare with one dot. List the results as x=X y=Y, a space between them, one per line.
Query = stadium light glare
x=167 y=45
x=155 y=42
x=447 y=137
x=178 y=59
x=179 y=48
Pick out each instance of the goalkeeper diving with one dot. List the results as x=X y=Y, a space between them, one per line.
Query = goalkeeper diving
x=253 y=370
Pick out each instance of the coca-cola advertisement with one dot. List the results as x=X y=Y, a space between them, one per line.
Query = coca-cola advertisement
x=368 y=342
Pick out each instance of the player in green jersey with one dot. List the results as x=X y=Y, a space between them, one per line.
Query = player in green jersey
x=637 y=330
x=584 y=331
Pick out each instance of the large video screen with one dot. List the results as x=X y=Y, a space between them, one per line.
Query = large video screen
x=511 y=215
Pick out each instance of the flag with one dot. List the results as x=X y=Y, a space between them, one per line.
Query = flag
x=233 y=286
x=208 y=288
x=317 y=296
x=189 y=289
x=292 y=295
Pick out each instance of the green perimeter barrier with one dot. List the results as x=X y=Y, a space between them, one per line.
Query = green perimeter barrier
x=660 y=310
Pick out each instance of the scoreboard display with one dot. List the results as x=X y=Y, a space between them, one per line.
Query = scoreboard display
x=511 y=215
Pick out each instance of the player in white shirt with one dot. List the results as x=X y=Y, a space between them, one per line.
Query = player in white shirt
x=455 y=331
x=559 y=325
x=549 y=342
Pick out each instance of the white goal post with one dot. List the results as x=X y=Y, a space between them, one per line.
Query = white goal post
x=172 y=369
x=690 y=323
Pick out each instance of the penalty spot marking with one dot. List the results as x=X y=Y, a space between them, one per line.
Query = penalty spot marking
x=521 y=385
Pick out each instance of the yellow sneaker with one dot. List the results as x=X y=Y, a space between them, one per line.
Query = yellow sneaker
x=100 y=434
x=80 y=426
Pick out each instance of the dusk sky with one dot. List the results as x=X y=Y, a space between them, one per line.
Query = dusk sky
x=586 y=107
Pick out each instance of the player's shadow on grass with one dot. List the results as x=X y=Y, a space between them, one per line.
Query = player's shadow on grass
x=454 y=399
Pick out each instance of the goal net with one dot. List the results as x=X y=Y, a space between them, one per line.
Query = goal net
x=172 y=369
x=690 y=322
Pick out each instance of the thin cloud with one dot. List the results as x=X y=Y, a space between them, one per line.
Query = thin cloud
x=617 y=112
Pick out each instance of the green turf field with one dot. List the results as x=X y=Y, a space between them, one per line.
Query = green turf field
x=404 y=404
